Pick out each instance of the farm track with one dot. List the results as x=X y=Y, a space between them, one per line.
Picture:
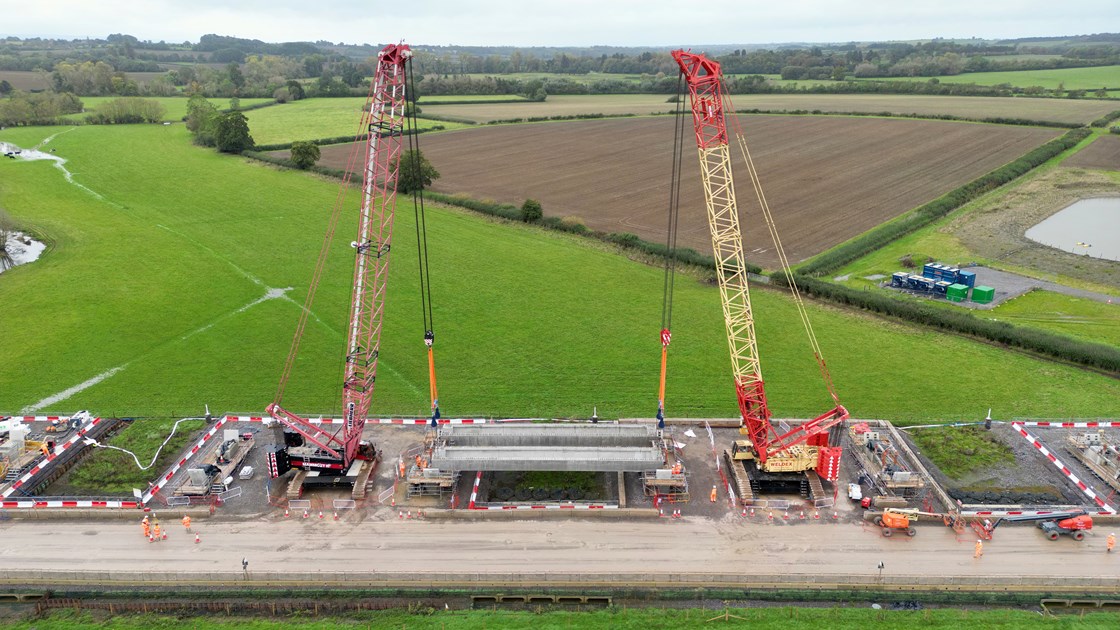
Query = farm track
x=828 y=179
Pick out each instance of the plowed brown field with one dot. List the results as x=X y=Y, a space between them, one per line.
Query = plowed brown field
x=1103 y=153
x=827 y=178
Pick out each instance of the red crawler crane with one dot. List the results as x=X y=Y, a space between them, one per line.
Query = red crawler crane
x=340 y=457
x=804 y=447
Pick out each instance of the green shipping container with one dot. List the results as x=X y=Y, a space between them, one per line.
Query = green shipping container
x=957 y=292
x=983 y=294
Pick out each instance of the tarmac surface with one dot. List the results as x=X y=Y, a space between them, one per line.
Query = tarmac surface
x=361 y=542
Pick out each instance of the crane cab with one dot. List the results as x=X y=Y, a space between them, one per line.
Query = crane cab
x=742 y=449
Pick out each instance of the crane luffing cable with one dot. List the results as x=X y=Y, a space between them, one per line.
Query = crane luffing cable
x=384 y=120
x=709 y=106
x=802 y=313
x=670 y=249
x=324 y=251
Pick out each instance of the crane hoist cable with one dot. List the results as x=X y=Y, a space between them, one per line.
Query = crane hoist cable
x=422 y=247
x=671 y=248
x=802 y=313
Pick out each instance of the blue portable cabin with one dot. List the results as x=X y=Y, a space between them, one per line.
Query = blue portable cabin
x=967 y=278
x=898 y=279
x=941 y=287
x=926 y=284
x=912 y=282
x=930 y=270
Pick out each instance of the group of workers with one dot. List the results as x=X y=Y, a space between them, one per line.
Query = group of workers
x=152 y=530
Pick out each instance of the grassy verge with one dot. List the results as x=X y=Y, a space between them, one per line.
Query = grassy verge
x=108 y=471
x=1076 y=317
x=615 y=619
x=961 y=451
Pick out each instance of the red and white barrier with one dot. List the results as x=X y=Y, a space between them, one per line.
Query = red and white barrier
x=52 y=455
x=1024 y=512
x=156 y=487
x=389 y=421
x=46 y=503
x=474 y=492
x=549 y=506
x=1107 y=509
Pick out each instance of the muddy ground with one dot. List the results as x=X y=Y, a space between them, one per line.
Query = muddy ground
x=996 y=230
x=827 y=179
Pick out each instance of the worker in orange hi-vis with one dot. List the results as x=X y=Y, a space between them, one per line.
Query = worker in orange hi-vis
x=187 y=522
x=979 y=549
x=145 y=527
x=713 y=494
x=1109 y=543
x=155 y=529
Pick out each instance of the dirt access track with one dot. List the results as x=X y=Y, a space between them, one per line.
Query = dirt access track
x=827 y=178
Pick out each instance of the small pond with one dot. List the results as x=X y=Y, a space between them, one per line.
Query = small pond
x=1089 y=227
x=20 y=249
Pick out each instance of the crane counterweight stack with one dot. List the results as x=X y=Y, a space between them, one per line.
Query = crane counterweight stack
x=805 y=447
x=341 y=457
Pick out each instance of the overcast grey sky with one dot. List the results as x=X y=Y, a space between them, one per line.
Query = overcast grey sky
x=559 y=22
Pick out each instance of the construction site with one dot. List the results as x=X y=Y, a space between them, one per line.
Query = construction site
x=575 y=505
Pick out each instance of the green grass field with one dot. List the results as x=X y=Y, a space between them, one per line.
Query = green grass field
x=854 y=618
x=175 y=106
x=1077 y=317
x=1093 y=78
x=585 y=79
x=165 y=275
x=314 y=118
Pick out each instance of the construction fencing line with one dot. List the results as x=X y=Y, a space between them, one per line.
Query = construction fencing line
x=46 y=503
x=1106 y=508
x=1067 y=425
x=52 y=454
x=549 y=506
x=388 y=421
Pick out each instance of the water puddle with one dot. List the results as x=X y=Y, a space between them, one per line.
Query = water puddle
x=21 y=249
x=1089 y=227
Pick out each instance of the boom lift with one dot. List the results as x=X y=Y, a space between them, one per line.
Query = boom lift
x=772 y=461
x=340 y=457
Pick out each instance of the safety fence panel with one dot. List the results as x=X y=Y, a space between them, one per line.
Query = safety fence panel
x=345 y=504
x=182 y=500
x=299 y=504
x=232 y=493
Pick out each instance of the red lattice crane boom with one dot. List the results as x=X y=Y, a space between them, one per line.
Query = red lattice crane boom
x=773 y=451
x=384 y=118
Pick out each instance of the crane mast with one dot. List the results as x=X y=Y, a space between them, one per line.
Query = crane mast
x=772 y=451
x=335 y=453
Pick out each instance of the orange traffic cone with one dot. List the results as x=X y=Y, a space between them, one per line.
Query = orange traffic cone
x=393 y=503
x=197 y=539
x=320 y=515
x=165 y=535
x=410 y=514
x=835 y=515
x=306 y=514
x=817 y=516
x=771 y=517
x=752 y=512
x=151 y=539
x=286 y=515
x=802 y=514
x=786 y=515
x=400 y=514
x=336 y=516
